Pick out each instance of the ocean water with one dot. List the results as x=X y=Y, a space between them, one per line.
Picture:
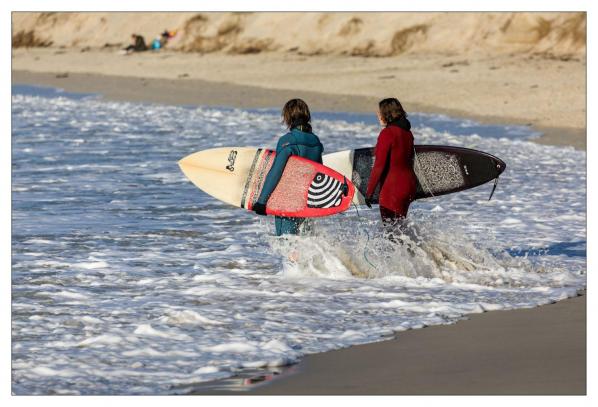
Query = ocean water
x=126 y=279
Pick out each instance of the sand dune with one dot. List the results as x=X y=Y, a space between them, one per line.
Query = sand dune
x=348 y=33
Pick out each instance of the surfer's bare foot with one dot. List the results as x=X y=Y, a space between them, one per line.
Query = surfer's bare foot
x=294 y=256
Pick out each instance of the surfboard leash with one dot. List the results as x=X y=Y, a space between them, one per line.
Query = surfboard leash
x=493 y=188
x=365 y=256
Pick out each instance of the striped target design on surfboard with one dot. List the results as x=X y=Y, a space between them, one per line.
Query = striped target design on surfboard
x=324 y=192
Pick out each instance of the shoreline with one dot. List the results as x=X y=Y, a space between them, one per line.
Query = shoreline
x=214 y=94
x=532 y=351
x=501 y=90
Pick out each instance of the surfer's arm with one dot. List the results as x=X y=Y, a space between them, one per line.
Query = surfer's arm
x=280 y=161
x=381 y=154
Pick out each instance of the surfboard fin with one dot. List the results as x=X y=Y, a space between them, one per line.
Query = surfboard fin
x=493 y=188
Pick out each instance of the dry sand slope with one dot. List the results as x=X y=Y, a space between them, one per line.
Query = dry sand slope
x=364 y=34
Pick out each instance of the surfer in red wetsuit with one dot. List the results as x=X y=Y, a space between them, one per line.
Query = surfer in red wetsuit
x=393 y=165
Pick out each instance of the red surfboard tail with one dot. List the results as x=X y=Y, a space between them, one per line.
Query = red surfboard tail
x=306 y=189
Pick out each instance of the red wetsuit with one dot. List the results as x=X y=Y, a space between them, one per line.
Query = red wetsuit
x=393 y=169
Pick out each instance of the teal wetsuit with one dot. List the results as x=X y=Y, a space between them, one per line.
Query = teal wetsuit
x=296 y=142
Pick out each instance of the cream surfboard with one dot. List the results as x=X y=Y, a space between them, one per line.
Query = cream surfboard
x=236 y=175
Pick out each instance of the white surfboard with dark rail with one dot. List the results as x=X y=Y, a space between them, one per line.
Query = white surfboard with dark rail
x=440 y=170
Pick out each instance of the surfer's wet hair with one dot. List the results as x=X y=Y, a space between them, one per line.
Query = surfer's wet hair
x=295 y=113
x=391 y=110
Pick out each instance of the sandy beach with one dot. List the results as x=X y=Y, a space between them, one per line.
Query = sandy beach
x=531 y=351
x=528 y=351
x=546 y=94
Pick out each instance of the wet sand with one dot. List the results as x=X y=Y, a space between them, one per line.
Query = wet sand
x=205 y=93
x=546 y=94
x=528 y=351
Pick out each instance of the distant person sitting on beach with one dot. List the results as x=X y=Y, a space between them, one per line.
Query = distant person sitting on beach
x=164 y=37
x=160 y=41
x=138 y=44
x=157 y=44
x=393 y=166
x=299 y=141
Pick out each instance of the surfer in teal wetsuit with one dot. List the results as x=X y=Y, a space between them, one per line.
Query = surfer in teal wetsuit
x=299 y=141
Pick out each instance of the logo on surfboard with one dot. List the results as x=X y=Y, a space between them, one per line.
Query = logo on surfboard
x=324 y=192
x=231 y=160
